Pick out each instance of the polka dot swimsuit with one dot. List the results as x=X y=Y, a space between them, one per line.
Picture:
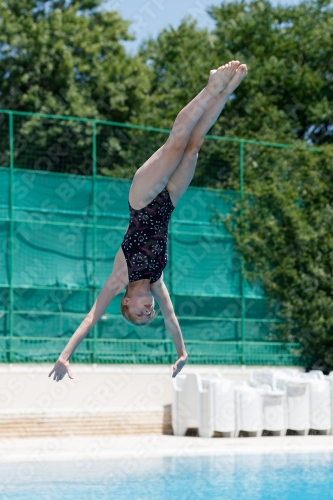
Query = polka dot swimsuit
x=145 y=244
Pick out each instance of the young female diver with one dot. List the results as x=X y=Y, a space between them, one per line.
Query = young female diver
x=155 y=191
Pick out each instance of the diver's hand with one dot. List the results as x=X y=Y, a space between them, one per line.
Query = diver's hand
x=60 y=369
x=179 y=364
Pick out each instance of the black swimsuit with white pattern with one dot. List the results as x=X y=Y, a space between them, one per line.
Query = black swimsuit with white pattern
x=145 y=244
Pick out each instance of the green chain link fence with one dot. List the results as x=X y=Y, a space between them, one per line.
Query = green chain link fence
x=63 y=214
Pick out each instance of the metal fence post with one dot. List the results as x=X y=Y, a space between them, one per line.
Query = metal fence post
x=242 y=279
x=11 y=236
x=94 y=243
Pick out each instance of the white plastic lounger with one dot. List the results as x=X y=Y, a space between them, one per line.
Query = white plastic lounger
x=317 y=374
x=275 y=400
x=263 y=376
x=320 y=401
x=186 y=404
x=297 y=403
x=274 y=409
x=206 y=403
x=223 y=404
x=191 y=405
x=330 y=379
x=249 y=412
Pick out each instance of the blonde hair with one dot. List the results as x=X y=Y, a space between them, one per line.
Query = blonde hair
x=126 y=315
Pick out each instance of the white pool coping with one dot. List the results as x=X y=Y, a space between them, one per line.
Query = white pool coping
x=79 y=448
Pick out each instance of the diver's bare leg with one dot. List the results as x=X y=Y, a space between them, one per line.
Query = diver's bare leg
x=154 y=174
x=183 y=174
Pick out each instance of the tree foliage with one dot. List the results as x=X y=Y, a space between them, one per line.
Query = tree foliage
x=284 y=224
x=289 y=52
x=284 y=227
x=288 y=93
x=286 y=97
x=66 y=58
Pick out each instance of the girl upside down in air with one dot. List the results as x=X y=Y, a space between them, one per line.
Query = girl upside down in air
x=156 y=189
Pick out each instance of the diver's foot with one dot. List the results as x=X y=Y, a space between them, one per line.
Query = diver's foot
x=220 y=77
x=236 y=79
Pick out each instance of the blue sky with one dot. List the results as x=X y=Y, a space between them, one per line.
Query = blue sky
x=150 y=16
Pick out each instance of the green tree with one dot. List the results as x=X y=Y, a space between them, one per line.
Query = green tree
x=289 y=90
x=66 y=58
x=283 y=227
x=286 y=97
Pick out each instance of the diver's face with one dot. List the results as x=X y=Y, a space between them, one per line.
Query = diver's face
x=140 y=307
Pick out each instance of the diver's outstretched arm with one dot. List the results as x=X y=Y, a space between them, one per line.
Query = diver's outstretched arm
x=115 y=283
x=161 y=294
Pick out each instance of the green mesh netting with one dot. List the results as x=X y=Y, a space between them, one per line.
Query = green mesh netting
x=56 y=248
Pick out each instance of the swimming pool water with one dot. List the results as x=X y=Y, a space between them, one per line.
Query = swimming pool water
x=250 y=477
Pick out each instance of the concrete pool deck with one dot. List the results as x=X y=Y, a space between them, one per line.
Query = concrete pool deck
x=144 y=446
